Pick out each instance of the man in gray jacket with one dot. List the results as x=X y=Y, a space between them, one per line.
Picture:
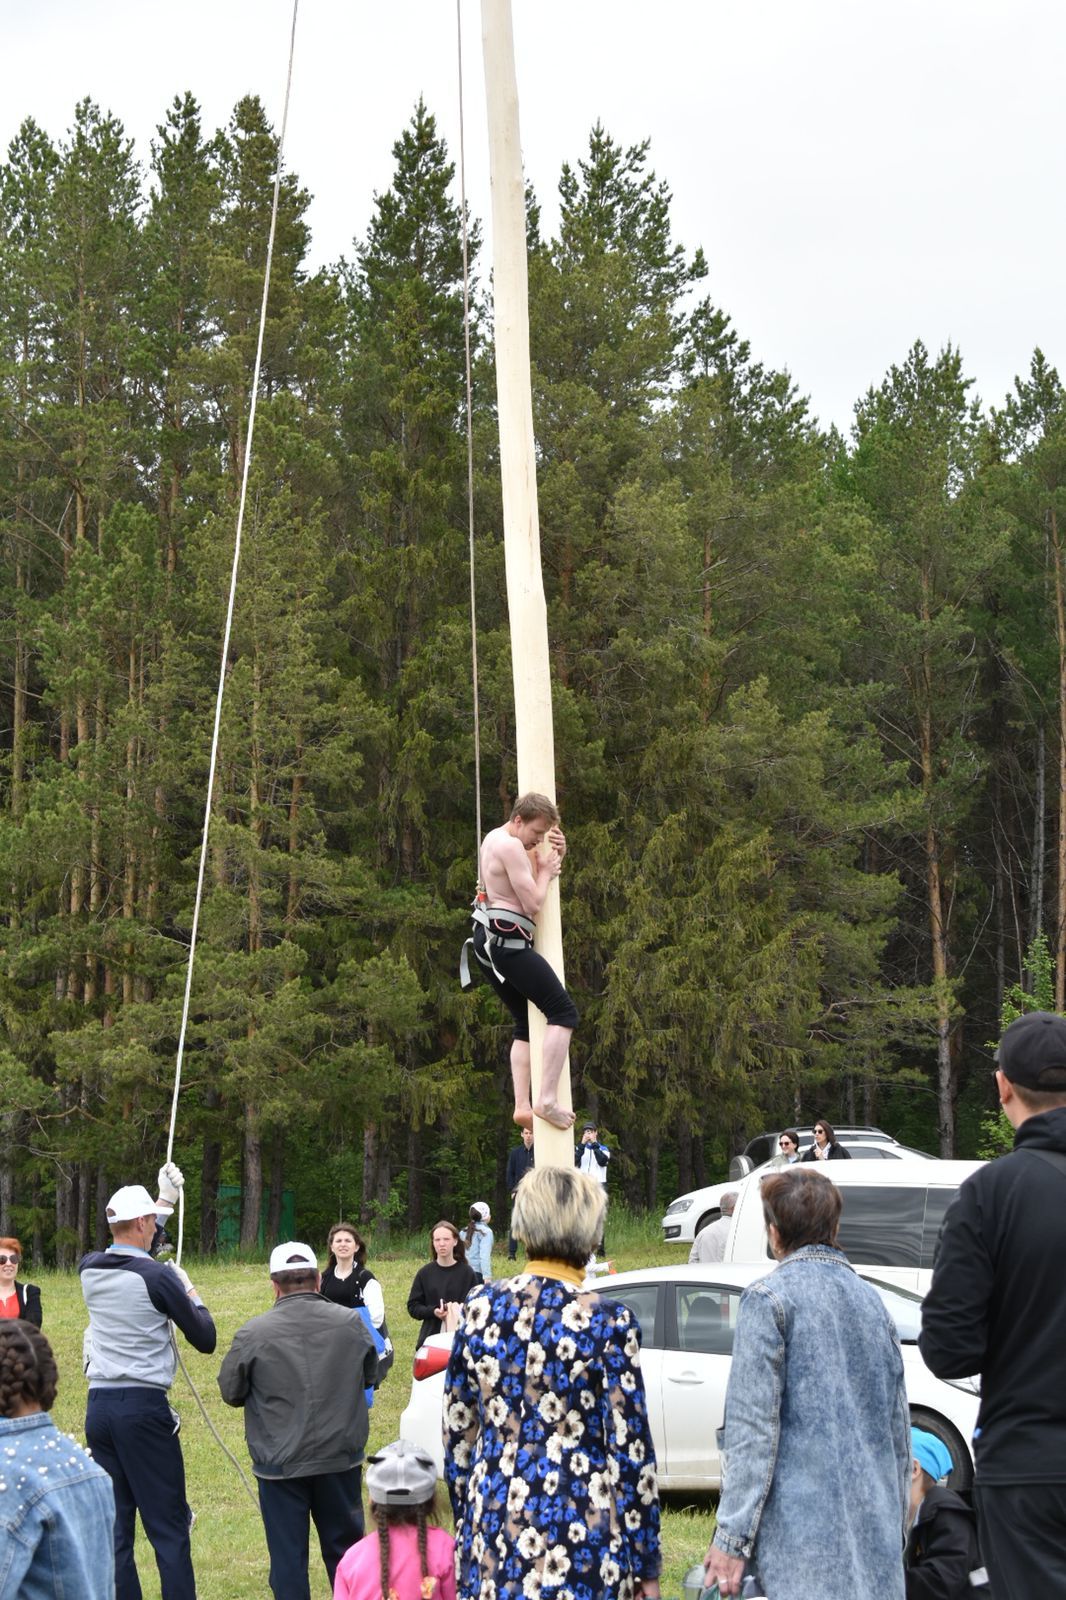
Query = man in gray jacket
x=129 y=1355
x=300 y=1370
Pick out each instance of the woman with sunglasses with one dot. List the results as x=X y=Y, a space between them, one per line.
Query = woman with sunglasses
x=825 y=1146
x=788 y=1148
x=17 y=1299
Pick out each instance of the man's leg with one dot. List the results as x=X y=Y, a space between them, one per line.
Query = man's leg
x=99 y=1439
x=286 y=1507
x=556 y=1048
x=152 y=1460
x=528 y=977
x=1022 y=1530
x=337 y=1507
x=521 y=1079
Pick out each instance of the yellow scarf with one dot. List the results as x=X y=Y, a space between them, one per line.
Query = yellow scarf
x=562 y=1270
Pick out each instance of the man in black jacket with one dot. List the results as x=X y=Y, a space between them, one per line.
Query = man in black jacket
x=997 y=1306
x=519 y=1162
x=301 y=1371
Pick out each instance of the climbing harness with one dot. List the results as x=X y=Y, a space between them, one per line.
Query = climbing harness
x=504 y=930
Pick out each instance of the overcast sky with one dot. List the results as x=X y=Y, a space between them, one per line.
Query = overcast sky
x=860 y=174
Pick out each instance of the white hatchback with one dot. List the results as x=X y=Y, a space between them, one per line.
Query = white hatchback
x=687 y=1315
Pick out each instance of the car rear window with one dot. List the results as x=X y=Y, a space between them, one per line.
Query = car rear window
x=882 y=1226
x=935 y=1207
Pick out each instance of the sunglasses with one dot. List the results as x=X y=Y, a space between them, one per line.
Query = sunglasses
x=6 y=1260
x=787 y=1143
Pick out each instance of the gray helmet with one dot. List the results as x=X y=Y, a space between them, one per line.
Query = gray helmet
x=400 y=1475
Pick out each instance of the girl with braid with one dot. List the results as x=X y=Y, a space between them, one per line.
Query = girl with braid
x=57 y=1516
x=407 y=1558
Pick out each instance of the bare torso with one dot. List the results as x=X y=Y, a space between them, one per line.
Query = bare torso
x=502 y=862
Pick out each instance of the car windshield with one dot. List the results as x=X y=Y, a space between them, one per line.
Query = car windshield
x=904 y=1308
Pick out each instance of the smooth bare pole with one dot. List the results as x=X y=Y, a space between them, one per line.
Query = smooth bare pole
x=530 y=662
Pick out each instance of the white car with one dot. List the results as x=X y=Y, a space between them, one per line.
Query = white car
x=687 y=1315
x=690 y=1213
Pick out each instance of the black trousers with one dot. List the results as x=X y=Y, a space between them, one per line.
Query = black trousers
x=130 y=1432
x=1022 y=1530
x=333 y=1500
x=526 y=976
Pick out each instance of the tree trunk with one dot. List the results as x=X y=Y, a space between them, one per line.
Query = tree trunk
x=415 y=1213
x=210 y=1173
x=684 y=1155
x=251 y=1179
x=277 y=1187
x=1060 y=897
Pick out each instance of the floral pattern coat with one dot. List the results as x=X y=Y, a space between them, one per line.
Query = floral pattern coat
x=548 y=1454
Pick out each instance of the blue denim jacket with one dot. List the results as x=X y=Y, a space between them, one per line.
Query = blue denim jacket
x=57 y=1515
x=816 y=1442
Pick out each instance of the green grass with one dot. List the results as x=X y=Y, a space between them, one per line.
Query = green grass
x=229 y=1551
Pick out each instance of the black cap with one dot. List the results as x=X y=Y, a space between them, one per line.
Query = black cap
x=1032 y=1052
x=588 y=1127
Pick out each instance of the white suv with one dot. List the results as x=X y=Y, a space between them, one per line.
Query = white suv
x=689 y=1213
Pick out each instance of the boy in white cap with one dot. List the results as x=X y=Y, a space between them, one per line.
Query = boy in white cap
x=129 y=1359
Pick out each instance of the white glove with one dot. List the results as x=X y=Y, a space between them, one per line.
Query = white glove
x=170 y=1180
x=183 y=1276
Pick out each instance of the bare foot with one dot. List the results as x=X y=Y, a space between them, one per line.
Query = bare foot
x=523 y=1115
x=557 y=1115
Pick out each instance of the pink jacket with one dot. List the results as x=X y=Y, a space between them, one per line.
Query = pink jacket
x=359 y=1573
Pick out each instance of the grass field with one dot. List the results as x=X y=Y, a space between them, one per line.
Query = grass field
x=229 y=1550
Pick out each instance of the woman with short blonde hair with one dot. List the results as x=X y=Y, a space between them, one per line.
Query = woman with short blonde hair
x=548 y=1454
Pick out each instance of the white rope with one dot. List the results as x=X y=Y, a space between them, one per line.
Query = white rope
x=229 y=625
x=469 y=449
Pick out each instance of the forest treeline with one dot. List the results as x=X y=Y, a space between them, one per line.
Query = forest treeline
x=810 y=696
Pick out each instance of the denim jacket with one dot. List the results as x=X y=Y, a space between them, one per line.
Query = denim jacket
x=816 y=1442
x=57 y=1515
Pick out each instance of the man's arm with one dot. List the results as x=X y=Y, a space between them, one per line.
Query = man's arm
x=182 y=1305
x=233 y=1375
x=528 y=882
x=954 y=1336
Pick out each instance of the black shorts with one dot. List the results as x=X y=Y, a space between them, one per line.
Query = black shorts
x=526 y=976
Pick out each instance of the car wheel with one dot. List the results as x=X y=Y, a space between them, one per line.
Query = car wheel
x=961 y=1474
x=707 y=1218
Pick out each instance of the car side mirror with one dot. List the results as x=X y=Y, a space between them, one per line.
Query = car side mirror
x=739 y=1168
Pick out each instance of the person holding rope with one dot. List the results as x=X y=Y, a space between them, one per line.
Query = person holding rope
x=130 y=1358
x=515 y=875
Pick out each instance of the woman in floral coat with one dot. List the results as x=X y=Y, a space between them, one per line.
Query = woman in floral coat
x=548 y=1455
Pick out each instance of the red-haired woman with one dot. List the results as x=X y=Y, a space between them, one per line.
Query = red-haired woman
x=17 y=1299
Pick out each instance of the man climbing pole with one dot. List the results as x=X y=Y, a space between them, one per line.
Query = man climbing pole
x=515 y=875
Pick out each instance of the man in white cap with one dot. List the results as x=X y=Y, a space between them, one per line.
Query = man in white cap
x=301 y=1371
x=129 y=1359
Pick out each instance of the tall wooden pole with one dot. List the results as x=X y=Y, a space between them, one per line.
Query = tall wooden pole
x=530 y=663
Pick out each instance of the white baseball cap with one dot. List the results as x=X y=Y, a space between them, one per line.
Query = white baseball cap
x=292 y=1257
x=402 y=1474
x=482 y=1210
x=133 y=1201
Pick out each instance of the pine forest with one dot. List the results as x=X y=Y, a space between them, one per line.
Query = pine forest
x=809 y=697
